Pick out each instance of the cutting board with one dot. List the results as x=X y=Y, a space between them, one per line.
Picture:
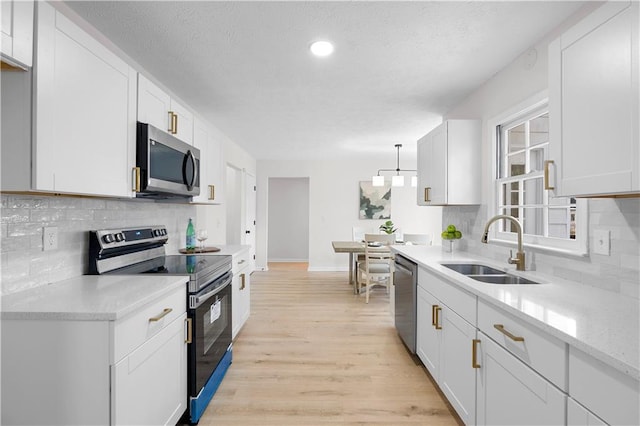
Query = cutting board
x=199 y=250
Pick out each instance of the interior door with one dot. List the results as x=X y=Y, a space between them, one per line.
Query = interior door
x=250 y=217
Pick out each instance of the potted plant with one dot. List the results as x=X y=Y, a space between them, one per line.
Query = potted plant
x=388 y=228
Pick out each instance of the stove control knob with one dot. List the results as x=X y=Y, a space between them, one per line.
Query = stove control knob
x=156 y=233
x=108 y=238
x=164 y=231
x=119 y=236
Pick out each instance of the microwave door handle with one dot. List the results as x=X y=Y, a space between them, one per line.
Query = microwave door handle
x=189 y=182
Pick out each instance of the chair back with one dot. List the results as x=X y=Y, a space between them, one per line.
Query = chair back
x=424 y=239
x=378 y=254
x=385 y=239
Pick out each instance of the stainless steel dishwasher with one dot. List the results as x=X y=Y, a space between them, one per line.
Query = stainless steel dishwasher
x=405 y=280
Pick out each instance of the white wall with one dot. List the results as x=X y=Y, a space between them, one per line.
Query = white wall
x=334 y=206
x=288 y=220
x=513 y=85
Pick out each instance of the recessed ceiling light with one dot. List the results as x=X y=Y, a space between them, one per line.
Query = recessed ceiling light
x=321 y=48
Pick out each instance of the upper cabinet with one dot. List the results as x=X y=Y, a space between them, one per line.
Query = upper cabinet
x=16 y=26
x=83 y=139
x=593 y=105
x=210 y=164
x=449 y=164
x=157 y=108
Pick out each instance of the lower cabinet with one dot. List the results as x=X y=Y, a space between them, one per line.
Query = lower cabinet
x=241 y=291
x=79 y=372
x=511 y=393
x=577 y=415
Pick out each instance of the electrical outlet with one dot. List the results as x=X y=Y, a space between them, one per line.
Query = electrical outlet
x=49 y=238
x=601 y=242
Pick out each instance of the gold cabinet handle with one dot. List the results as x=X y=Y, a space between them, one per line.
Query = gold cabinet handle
x=242 y=281
x=212 y=192
x=158 y=317
x=189 y=338
x=474 y=353
x=433 y=314
x=170 y=129
x=136 y=179
x=513 y=337
x=437 y=320
x=173 y=123
x=546 y=175
x=427 y=197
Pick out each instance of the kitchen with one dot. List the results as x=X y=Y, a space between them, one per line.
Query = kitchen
x=25 y=265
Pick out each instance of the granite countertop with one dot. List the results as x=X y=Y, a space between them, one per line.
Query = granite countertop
x=89 y=297
x=599 y=322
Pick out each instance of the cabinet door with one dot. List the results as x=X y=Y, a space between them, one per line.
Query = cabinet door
x=424 y=169
x=457 y=375
x=427 y=336
x=17 y=31
x=593 y=96
x=210 y=165
x=245 y=296
x=577 y=415
x=438 y=164
x=153 y=104
x=183 y=128
x=149 y=386
x=85 y=120
x=510 y=393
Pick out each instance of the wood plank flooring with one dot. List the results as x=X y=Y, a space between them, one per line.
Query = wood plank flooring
x=313 y=353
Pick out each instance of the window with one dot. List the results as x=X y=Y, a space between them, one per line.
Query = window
x=522 y=147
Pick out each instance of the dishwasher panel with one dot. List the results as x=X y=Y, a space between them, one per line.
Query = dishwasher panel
x=405 y=281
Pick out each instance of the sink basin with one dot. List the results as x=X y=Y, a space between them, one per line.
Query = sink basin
x=487 y=274
x=502 y=279
x=473 y=269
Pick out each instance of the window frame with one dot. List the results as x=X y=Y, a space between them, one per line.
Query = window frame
x=573 y=247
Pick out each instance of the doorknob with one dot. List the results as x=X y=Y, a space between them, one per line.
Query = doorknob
x=247 y=232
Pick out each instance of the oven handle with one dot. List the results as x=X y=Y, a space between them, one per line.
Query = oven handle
x=200 y=299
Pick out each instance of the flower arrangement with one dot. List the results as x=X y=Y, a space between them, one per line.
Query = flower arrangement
x=388 y=227
x=451 y=233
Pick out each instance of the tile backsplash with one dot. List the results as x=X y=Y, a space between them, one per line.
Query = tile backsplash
x=619 y=272
x=24 y=263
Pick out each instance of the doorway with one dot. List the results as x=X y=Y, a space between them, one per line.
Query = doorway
x=288 y=223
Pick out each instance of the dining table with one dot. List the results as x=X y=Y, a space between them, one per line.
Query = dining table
x=351 y=247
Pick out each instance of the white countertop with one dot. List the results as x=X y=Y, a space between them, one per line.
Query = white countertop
x=89 y=297
x=599 y=322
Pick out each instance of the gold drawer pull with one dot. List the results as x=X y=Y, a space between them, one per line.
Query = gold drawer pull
x=546 y=175
x=437 y=320
x=433 y=314
x=243 y=281
x=212 y=192
x=189 y=338
x=474 y=353
x=501 y=329
x=164 y=313
x=427 y=198
x=136 y=179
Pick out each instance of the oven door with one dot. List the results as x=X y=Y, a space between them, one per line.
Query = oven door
x=210 y=313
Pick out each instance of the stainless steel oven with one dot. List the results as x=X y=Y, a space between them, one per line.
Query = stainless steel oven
x=208 y=301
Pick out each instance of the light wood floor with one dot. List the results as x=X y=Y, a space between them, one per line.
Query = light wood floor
x=314 y=353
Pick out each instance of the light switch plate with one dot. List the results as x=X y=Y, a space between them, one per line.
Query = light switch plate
x=601 y=242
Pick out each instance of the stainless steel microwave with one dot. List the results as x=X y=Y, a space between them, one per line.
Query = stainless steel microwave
x=166 y=167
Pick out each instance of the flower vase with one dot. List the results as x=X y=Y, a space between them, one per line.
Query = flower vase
x=448 y=246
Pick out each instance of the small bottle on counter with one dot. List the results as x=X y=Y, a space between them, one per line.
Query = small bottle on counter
x=191 y=237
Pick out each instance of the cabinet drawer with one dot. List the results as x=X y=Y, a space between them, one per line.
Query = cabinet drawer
x=610 y=394
x=459 y=301
x=545 y=354
x=135 y=329
x=240 y=261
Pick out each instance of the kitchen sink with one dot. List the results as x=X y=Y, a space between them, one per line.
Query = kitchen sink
x=502 y=279
x=473 y=269
x=487 y=274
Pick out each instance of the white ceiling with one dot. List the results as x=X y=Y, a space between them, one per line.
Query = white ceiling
x=397 y=66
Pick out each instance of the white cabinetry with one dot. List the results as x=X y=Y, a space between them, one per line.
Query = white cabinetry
x=84 y=131
x=449 y=164
x=128 y=371
x=593 y=104
x=608 y=393
x=577 y=415
x=211 y=190
x=511 y=393
x=445 y=338
x=241 y=290
x=157 y=108
x=17 y=32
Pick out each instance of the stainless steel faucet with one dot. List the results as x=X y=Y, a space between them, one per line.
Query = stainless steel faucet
x=519 y=259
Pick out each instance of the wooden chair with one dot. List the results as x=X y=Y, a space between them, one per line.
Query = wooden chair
x=423 y=239
x=377 y=268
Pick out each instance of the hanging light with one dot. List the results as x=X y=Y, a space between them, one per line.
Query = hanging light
x=398 y=179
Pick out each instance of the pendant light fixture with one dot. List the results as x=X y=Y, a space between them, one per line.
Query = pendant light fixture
x=398 y=179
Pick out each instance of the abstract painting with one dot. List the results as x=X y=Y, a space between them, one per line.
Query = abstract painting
x=375 y=201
